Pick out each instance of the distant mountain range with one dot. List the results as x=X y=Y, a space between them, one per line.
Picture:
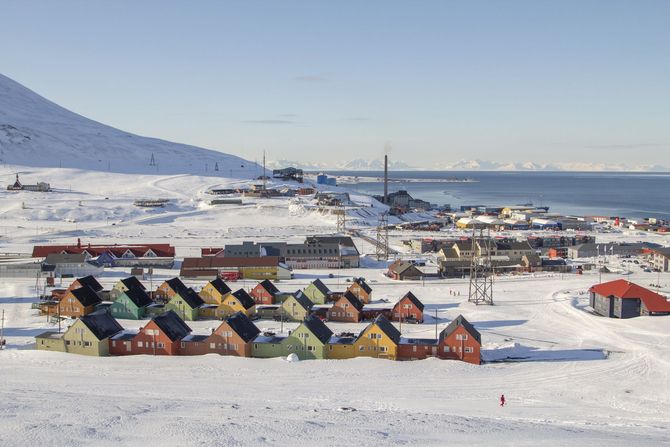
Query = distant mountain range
x=38 y=133
x=468 y=165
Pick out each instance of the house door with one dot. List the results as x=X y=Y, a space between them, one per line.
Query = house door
x=434 y=351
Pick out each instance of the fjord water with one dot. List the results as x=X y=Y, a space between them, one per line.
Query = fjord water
x=577 y=193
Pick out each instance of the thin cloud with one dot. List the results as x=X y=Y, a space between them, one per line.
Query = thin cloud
x=627 y=146
x=310 y=78
x=271 y=122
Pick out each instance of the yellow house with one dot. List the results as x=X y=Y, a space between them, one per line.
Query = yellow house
x=379 y=339
x=341 y=347
x=214 y=292
x=239 y=301
x=123 y=285
x=89 y=335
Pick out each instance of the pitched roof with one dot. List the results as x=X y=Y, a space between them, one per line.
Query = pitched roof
x=413 y=299
x=386 y=327
x=192 y=299
x=138 y=296
x=455 y=324
x=220 y=286
x=269 y=287
x=173 y=326
x=244 y=298
x=243 y=326
x=175 y=284
x=101 y=324
x=302 y=299
x=86 y=296
x=621 y=288
x=318 y=328
x=91 y=282
x=353 y=300
x=320 y=286
x=361 y=282
x=160 y=250
x=132 y=282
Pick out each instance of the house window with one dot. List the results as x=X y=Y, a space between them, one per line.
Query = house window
x=383 y=349
x=289 y=347
x=67 y=342
x=255 y=345
x=446 y=349
x=361 y=348
x=160 y=345
x=113 y=343
x=414 y=348
x=469 y=350
x=330 y=347
x=310 y=348
x=139 y=344
x=87 y=344
x=212 y=346
x=349 y=314
x=461 y=337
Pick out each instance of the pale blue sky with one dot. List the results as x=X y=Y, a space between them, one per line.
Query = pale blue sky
x=445 y=80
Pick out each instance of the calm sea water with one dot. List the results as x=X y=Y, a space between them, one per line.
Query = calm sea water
x=578 y=193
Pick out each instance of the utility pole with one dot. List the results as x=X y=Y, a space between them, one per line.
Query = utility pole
x=436 y=323
x=2 y=330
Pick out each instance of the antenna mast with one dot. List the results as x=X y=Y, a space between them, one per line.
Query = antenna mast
x=481 y=269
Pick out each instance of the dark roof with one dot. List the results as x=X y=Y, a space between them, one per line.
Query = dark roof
x=139 y=297
x=361 y=282
x=176 y=284
x=414 y=300
x=173 y=326
x=132 y=282
x=91 y=282
x=220 y=286
x=302 y=299
x=321 y=286
x=101 y=324
x=57 y=258
x=244 y=298
x=269 y=287
x=318 y=328
x=386 y=327
x=353 y=299
x=210 y=262
x=192 y=299
x=461 y=321
x=399 y=266
x=86 y=296
x=664 y=251
x=243 y=326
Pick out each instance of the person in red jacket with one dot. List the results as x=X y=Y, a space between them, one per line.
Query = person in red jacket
x=502 y=400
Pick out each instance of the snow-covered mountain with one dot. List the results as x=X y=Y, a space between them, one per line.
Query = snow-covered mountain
x=352 y=165
x=487 y=165
x=36 y=132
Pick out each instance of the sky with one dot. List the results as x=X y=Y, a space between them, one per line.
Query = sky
x=437 y=81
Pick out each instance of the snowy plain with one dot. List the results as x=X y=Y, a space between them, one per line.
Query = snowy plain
x=577 y=379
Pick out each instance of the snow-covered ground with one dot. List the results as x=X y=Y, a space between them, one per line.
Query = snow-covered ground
x=578 y=379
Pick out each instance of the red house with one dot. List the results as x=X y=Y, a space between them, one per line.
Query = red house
x=232 y=337
x=408 y=309
x=460 y=341
x=161 y=336
x=348 y=308
x=264 y=292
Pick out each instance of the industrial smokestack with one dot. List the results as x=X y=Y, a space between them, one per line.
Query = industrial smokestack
x=386 y=179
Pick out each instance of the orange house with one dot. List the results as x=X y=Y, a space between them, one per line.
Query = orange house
x=233 y=337
x=89 y=281
x=78 y=302
x=460 y=341
x=361 y=290
x=264 y=292
x=408 y=309
x=169 y=289
x=161 y=336
x=348 y=308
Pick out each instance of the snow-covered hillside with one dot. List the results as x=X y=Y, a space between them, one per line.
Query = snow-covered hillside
x=36 y=132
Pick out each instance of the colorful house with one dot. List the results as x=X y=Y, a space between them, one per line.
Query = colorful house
x=460 y=341
x=89 y=281
x=417 y=348
x=624 y=299
x=160 y=336
x=379 y=339
x=238 y=301
x=131 y=304
x=268 y=345
x=408 y=309
x=362 y=290
x=308 y=341
x=89 y=335
x=317 y=292
x=342 y=346
x=169 y=289
x=296 y=307
x=264 y=292
x=403 y=271
x=348 y=308
x=215 y=291
x=78 y=302
x=125 y=284
x=186 y=303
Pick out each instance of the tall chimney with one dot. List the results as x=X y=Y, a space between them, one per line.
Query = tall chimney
x=386 y=179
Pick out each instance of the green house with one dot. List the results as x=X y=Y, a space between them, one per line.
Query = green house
x=317 y=292
x=267 y=345
x=295 y=308
x=125 y=284
x=89 y=335
x=309 y=340
x=186 y=303
x=131 y=304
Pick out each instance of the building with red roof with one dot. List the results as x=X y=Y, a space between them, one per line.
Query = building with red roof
x=624 y=299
